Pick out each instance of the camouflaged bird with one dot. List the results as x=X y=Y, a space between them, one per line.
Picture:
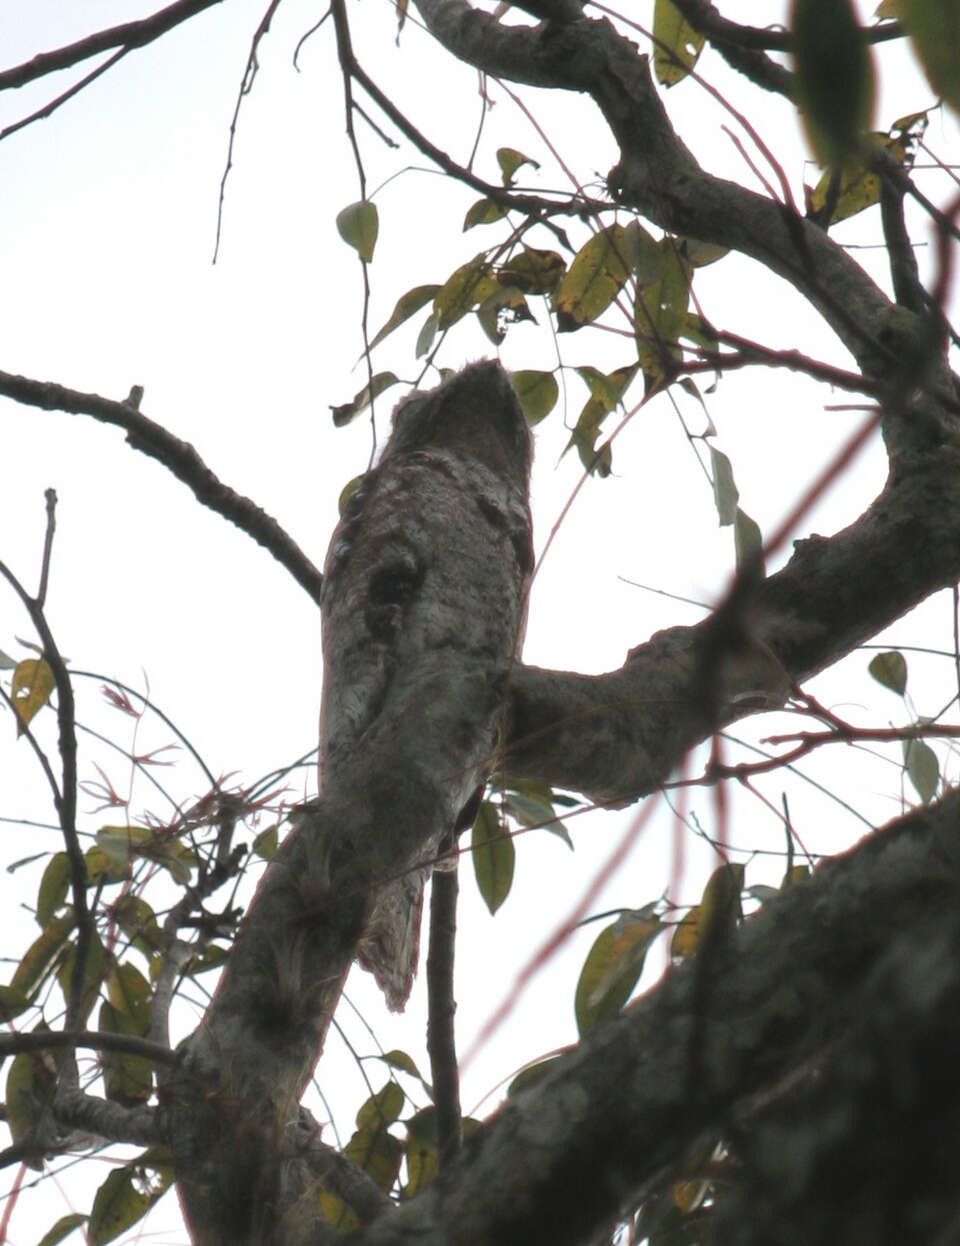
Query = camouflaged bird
x=424 y=595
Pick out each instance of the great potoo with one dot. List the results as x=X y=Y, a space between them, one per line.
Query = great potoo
x=423 y=605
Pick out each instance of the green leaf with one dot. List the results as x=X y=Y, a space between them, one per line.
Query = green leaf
x=493 y=856
x=30 y=1081
x=533 y=810
x=483 y=212
x=400 y=1060
x=407 y=305
x=700 y=254
x=536 y=392
x=934 y=27
x=33 y=682
x=612 y=969
x=129 y=992
x=509 y=161
x=833 y=77
x=606 y=390
x=922 y=767
x=39 y=957
x=503 y=307
x=12 y=1002
x=594 y=279
x=53 y=887
x=382 y=1108
x=123 y=1200
x=428 y=332
x=660 y=314
x=128 y=1079
x=138 y=922
x=890 y=669
x=378 y=1153
x=64 y=1226
x=531 y=1075
x=265 y=844
x=360 y=401
x=358 y=225
x=463 y=290
x=747 y=540
x=676 y=44
x=725 y=492
x=93 y=973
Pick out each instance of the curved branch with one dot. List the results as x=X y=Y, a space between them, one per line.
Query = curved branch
x=180 y=458
x=128 y=35
x=616 y=737
x=858 y=964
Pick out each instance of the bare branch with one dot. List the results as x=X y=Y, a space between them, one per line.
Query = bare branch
x=180 y=458
x=128 y=36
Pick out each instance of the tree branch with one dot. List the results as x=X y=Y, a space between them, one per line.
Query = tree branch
x=180 y=458
x=799 y=985
x=128 y=36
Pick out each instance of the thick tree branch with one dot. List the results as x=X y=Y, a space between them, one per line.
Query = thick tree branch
x=742 y=47
x=180 y=458
x=793 y=990
x=617 y=736
x=659 y=178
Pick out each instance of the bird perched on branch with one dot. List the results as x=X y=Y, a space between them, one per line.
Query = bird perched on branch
x=423 y=609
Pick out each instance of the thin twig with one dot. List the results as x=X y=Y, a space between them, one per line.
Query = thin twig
x=51 y=499
x=246 y=86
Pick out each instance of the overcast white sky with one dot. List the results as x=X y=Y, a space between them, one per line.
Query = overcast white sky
x=107 y=221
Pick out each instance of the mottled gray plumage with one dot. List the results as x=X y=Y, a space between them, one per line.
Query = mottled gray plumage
x=423 y=606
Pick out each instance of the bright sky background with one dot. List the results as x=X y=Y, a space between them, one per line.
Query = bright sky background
x=107 y=223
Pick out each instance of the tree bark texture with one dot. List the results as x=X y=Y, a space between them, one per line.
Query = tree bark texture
x=423 y=602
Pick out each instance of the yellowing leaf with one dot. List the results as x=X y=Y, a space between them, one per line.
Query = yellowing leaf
x=612 y=969
x=33 y=682
x=533 y=271
x=594 y=279
x=859 y=187
x=483 y=212
x=464 y=289
x=509 y=161
x=358 y=225
x=676 y=44
x=536 y=392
